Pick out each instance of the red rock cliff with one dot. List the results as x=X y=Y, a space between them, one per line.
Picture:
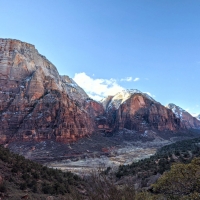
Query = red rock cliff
x=134 y=110
x=35 y=101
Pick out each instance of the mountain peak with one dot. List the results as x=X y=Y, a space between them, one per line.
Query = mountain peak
x=122 y=96
x=184 y=116
x=178 y=111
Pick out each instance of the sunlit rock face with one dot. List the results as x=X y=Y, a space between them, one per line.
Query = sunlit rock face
x=35 y=101
x=186 y=118
x=134 y=110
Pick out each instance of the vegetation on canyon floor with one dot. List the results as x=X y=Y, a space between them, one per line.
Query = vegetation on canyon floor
x=20 y=174
x=178 y=166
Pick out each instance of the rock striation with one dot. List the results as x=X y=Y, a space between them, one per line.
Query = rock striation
x=35 y=101
x=187 y=120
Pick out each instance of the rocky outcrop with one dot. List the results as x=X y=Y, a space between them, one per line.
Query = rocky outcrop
x=134 y=110
x=186 y=118
x=35 y=101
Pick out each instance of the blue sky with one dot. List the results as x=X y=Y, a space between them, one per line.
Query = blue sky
x=111 y=43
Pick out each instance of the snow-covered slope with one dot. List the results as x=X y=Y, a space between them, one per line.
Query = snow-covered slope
x=178 y=111
x=118 y=99
x=74 y=91
x=184 y=116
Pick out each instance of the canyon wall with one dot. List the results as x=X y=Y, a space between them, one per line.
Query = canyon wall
x=35 y=101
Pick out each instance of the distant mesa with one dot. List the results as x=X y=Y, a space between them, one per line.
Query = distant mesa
x=36 y=103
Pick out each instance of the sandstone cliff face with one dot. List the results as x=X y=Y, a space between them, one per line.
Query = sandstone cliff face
x=186 y=118
x=35 y=101
x=134 y=110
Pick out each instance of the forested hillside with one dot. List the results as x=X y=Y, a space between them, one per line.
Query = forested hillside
x=21 y=177
x=182 y=151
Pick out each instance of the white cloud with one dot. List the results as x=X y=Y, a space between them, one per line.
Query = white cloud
x=97 y=88
x=127 y=79
x=136 y=79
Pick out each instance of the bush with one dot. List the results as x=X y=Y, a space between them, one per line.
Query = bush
x=182 y=179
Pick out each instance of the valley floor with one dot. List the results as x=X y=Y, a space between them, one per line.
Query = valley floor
x=98 y=151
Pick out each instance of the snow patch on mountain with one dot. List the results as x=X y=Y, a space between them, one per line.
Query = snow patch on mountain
x=197 y=117
x=178 y=111
x=74 y=91
x=121 y=97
